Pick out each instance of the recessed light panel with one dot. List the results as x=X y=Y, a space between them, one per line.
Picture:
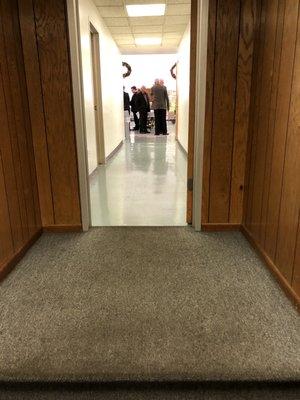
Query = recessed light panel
x=148 y=41
x=145 y=10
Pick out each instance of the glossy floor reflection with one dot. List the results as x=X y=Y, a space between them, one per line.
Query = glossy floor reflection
x=143 y=184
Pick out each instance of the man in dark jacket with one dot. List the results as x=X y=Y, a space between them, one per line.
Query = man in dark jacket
x=143 y=107
x=126 y=100
x=134 y=109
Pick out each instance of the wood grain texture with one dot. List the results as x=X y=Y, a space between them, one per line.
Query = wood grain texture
x=6 y=241
x=32 y=68
x=19 y=204
x=52 y=40
x=211 y=227
x=290 y=196
x=226 y=51
x=296 y=269
x=271 y=214
x=280 y=125
x=19 y=105
x=242 y=108
x=263 y=115
x=8 y=161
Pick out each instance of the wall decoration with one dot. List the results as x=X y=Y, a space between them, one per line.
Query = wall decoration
x=172 y=71
x=128 y=72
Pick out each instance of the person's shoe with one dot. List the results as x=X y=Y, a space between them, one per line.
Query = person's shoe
x=142 y=133
x=165 y=133
x=157 y=134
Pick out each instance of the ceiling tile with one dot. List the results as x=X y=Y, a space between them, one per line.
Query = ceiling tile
x=142 y=35
x=120 y=29
x=147 y=28
x=124 y=41
x=112 y=12
x=116 y=22
x=134 y=21
x=177 y=19
x=175 y=28
x=127 y=46
x=108 y=2
x=178 y=1
x=172 y=35
x=178 y=9
x=125 y=37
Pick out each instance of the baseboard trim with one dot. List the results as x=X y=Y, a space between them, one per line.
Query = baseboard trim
x=115 y=151
x=181 y=147
x=62 y=228
x=215 y=227
x=8 y=265
x=291 y=294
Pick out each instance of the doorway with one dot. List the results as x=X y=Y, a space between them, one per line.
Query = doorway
x=199 y=30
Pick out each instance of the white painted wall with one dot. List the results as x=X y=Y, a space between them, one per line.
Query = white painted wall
x=147 y=67
x=111 y=82
x=183 y=87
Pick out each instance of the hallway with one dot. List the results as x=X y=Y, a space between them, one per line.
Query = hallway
x=143 y=184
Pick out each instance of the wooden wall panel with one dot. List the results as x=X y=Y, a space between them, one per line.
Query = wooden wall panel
x=296 y=269
x=271 y=214
x=290 y=197
x=242 y=108
x=52 y=41
x=226 y=51
x=6 y=241
x=33 y=78
x=20 y=214
x=228 y=86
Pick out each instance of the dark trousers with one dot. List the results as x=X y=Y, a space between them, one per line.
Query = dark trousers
x=136 y=121
x=160 y=121
x=143 y=121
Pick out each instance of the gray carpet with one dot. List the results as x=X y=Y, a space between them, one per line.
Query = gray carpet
x=145 y=304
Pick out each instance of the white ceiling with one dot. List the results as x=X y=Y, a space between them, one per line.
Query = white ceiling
x=124 y=30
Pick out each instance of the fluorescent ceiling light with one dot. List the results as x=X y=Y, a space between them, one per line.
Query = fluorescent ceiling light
x=145 y=10
x=148 y=41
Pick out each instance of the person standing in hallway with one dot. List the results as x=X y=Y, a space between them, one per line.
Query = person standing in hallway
x=143 y=107
x=160 y=104
x=126 y=100
x=134 y=109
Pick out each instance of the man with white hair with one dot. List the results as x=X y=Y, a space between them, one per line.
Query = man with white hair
x=160 y=105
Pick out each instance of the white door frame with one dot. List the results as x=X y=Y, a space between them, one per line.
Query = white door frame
x=200 y=95
x=77 y=86
x=79 y=114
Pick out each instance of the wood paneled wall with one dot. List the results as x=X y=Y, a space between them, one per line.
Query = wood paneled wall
x=47 y=65
x=20 y=220
x=229 y=70
x=272 y=199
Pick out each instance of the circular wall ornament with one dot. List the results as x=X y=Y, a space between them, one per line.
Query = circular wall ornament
x=172 y=71
x=128 y=72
